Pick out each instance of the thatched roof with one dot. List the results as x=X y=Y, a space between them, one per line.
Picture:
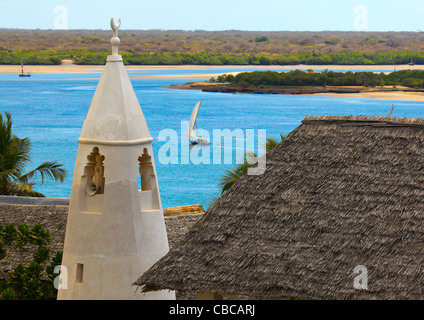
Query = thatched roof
x=52 y=215
x=337 y=193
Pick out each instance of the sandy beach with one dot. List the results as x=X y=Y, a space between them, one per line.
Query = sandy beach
x=405 y=96
x=185 y=76
x=73 y=68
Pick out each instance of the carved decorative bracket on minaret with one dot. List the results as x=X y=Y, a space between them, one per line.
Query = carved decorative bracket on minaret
x=146 y=170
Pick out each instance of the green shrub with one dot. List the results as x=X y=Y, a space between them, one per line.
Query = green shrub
x=35 y=280
x=261 y=39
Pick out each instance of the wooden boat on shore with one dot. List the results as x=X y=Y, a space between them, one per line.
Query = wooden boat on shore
x=22 y=74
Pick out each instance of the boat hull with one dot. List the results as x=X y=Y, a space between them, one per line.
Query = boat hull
x=200 y=143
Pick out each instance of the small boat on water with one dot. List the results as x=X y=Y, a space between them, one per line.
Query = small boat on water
x=22 y=74
x=192 y=136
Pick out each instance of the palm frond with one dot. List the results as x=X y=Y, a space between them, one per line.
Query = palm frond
x=227 y=180
x=230 y=177
x=8 y=175
x=15 y=154
x=5 y=131
x=18 y=154
x=271 y=143
x=25 y=190
x=47 y=170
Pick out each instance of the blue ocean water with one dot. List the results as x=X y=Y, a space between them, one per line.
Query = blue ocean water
x=50 y=109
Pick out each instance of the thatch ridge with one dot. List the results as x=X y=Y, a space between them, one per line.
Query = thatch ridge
x=365 y=121
x=337 y=193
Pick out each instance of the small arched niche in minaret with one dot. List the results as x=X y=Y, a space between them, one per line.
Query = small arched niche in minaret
x=93 y=184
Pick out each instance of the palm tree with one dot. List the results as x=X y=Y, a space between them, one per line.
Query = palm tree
x=230 y=177
x=14 y=156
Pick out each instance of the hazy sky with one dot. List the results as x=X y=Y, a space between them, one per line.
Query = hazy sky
x=262 y=15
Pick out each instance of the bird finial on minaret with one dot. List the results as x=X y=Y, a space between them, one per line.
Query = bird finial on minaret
x=115 y=40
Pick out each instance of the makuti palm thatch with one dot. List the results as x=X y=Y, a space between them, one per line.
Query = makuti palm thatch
x=338 y=192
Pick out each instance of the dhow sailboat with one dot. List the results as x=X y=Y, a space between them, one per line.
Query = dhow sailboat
x=194 y=136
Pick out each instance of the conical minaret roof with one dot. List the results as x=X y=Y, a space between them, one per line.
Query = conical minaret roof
x=114 y=116
x=115 y=230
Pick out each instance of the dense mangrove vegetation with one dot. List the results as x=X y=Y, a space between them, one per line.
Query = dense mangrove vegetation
x=408 y=78
x=98 y=57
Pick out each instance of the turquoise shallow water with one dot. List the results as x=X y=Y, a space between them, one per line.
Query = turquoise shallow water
x=50 y=109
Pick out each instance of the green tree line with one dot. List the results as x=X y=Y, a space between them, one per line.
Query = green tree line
x=408 y=78
x=98 y=57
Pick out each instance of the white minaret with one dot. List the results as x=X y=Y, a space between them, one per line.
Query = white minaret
x=115 y=232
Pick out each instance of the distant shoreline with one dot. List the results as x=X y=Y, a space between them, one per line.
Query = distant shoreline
x=73 y=68
x=358 y=92
x=386 y=92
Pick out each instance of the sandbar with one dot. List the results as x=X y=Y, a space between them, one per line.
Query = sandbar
x=68 y=67
x=405 y=96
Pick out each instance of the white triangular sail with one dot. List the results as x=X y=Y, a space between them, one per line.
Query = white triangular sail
x=193 y=118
